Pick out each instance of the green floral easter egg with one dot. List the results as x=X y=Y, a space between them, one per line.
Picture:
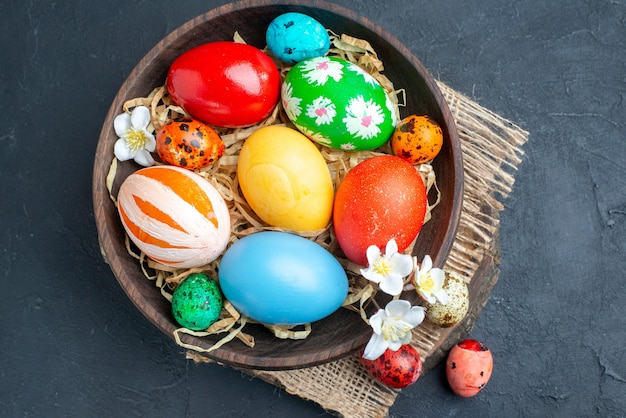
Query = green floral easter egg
x=336 y=103
x=197 y=302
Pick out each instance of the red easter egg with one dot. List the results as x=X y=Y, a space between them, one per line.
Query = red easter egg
x=225 y=84
x=381 y=198
x=468 y=367
x=396 y=369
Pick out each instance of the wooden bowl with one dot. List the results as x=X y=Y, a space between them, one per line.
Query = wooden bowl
x=344 y=332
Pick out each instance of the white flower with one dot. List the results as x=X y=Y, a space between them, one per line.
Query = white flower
x=318 y=70
x=389 y=269
x=392 y=327
x=348 y=146
x=322 y=110
x=362 y=118
x=290 y=103
x=134 y=139
x=428 y=282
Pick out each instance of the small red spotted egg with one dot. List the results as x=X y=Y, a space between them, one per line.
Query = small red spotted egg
x=417 y=139
x=396 y=369
x=468 y=367
x=189 y=143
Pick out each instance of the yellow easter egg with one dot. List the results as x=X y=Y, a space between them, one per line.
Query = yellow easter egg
x=285 y=179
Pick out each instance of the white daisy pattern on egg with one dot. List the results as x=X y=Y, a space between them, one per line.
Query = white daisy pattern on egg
x=392 y=110
x=318 y=70
x=363 y=117
x=314 y=136
x=291 y=104
x=322 y=110
x=366 y=76
x=348 y=146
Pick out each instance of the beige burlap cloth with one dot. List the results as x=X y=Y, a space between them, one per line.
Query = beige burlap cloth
x=491 y=152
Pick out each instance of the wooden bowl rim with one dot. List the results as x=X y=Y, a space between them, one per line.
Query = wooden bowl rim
x=112 y=253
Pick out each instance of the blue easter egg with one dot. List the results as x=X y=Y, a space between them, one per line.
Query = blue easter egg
x=278 y=278
x=293 y=37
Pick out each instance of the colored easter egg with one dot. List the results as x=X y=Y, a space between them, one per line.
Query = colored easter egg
x=468 y=367
x=174 y=216
x=417 y=139
x=396 y=369
x=197 y=302
x=225 y=84
x=282 y=279
x=189 y=144
x=454 y=310
x=336 y=103
x=293 y=37
x=285 y=179
x=380 y=199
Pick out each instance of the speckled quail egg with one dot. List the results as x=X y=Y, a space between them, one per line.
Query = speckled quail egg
x=455 y=308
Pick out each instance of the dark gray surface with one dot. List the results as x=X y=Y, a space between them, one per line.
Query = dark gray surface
x=71 y=344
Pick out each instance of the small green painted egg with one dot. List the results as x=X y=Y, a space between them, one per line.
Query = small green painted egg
x=197 y=302
x=337 y=104
x=457 y=305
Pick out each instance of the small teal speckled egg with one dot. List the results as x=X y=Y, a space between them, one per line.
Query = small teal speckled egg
x=293 y=37
x=197 y=302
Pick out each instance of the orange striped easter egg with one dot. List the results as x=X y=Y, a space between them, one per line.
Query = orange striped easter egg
x=174 y=216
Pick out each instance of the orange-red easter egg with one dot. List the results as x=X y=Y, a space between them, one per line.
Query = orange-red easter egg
x=189 y=144
x=468 y=367
x=379 y=199
x=174 y=216
x=417 y=139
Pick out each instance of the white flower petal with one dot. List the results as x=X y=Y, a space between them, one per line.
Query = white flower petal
x=427 y=263
x=395 y=345
x=121 y=124
x=140 y=117
x=371 y=275
x=414 y=316
x=122 y=151
x=392 y=285
x=375 y=347
x=406 y=338
x=438 y=277
x=372 y=253
x=442 y=296
x=397 y=308
x=376 y=321
x=402 y=264
x=150 y=141
x=391 y=248
x=143 y=157
x=427 y=296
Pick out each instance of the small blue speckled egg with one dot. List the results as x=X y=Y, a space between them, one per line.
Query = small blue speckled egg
x=197 y=302
x=293 y=37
